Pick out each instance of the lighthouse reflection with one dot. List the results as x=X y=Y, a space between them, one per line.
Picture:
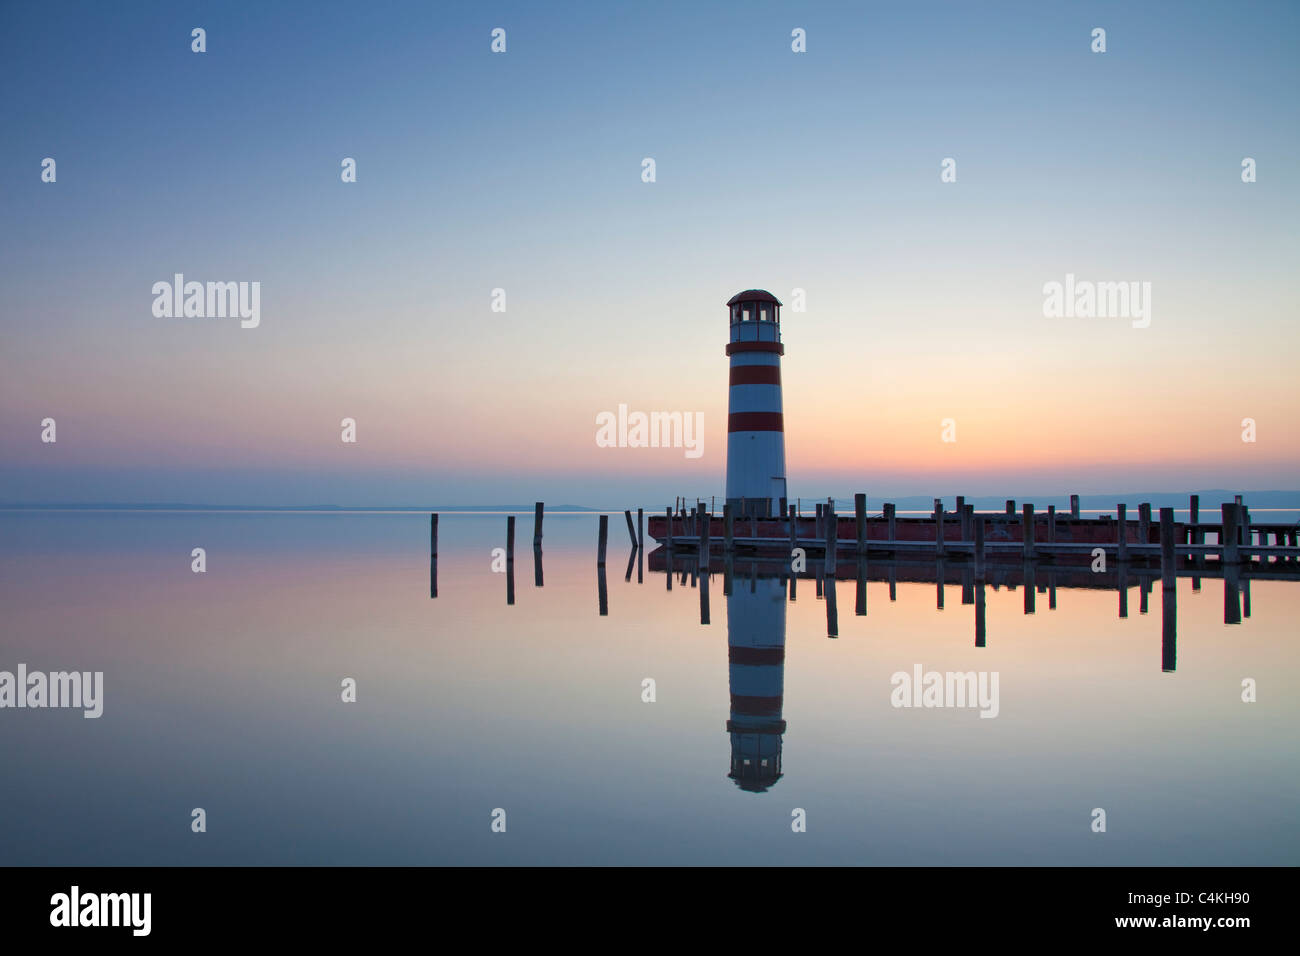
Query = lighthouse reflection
x=756 y=679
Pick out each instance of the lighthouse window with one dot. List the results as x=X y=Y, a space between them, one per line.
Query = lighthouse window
x=745 y=314
x=762 y=313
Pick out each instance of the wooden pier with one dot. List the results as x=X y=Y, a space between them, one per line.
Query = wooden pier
x=967 y=535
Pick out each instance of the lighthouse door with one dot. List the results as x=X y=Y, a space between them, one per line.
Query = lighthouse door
x=778 y=492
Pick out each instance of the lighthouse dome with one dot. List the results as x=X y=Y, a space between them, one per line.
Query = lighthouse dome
x=753 y=295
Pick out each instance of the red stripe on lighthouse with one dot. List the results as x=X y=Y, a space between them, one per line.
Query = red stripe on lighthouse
x=756 y=422
x=735 y=347
x=756 y=375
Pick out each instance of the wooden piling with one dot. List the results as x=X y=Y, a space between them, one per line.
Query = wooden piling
x=1011 y=507
x=832 y=538
x=1168 y=589
x=668 y=539
x=794 y=530
x=938 y=528
x=1074 y=507
x=728 y=528
x=1121 y=537
x=1051 y=524
x=640 y=530
x=433 y=555
x=1027 y=531
x=1144 y=523
x=1228 y=534
x=889 y=521
x=538 y=511
x=1168 y=552
x=706 y=520
x=860 y=516
x=602 y=541
x=510 y=538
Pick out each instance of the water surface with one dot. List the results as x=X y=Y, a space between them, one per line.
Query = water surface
x=222 y=691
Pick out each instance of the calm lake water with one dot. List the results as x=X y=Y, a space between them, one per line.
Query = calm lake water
x=223 y=691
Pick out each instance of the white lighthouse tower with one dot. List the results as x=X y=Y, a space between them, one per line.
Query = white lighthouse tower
x=755 y=422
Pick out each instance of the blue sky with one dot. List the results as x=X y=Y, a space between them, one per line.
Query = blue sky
x=522 y=171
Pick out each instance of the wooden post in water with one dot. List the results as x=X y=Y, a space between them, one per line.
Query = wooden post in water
x=728 y=528
x=668 y=538
x=1228 y=535
x=1244 y=524
x=1027 y=532
x=794 y=530
x=889 y=521
x=1144 y=523
x=860 y=516
x=640 y=530
x=938 y=529
x=1011 y=507
x=433 y=555
x=1168 y=591
x=1121 y=537
x=832 y=539
x=1074 y=507
x=817 y=523
x=510 y=538
x=706 y=521
x=1168 y=550
x=1051 y=524
x=600 y=544
x=538 y=511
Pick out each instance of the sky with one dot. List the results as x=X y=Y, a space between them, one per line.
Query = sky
x=522 y=171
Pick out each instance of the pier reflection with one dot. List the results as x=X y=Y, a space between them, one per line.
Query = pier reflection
x=752 y=576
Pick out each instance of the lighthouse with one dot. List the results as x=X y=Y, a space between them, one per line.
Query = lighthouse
x=755 y=423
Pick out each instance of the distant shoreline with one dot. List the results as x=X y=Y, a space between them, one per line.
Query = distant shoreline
x=1210 y=500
